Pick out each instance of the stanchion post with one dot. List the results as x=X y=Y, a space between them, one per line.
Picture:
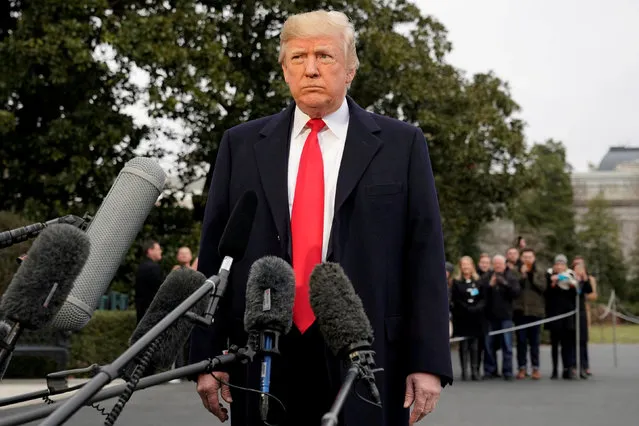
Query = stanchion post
x=614 y=328
x=577 y=335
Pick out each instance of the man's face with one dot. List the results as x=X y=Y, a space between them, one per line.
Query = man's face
x=484 y=263
x=528 y=258
x=512 y=255
x=184 y=256
x=499 y=265
x=155 y=253
x=560 y=267
x=316 y=74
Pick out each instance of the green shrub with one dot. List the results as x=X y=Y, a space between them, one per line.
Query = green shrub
x=103 y=339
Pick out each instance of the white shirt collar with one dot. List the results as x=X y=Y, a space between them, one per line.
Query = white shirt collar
x=336 y=122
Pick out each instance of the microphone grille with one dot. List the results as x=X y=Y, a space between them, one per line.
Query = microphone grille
x=112 y=231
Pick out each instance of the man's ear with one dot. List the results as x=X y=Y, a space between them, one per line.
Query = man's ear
x=350 y=76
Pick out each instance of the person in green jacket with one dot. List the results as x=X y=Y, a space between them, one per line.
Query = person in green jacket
x=528 y=308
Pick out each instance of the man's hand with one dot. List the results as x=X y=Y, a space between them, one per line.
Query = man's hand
x=553 y=280
x=208 y=387
x=524 y=269
x=423 y=390
x=493 y=280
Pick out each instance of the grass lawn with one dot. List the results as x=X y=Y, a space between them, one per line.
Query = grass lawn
x=627 y=333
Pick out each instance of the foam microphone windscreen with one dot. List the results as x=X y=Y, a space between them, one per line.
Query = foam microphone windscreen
x=112 y=232
x=178 y=286
x=45 y=278
x=338 y=309
x=273 y=311
x=238 y=229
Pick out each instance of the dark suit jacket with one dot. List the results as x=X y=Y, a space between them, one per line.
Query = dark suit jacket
x=148 y=280
x=386 y=234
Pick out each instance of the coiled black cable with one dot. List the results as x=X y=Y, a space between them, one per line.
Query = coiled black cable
x=131 y=384
x=95 y=405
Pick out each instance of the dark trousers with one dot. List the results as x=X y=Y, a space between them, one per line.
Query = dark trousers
x=583 y=343
x=490 y=354
x=469 y=352
x=527 y=338
x=566 y=339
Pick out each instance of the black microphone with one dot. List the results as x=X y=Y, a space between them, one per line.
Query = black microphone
x=232 y=246
x=24 y=233
x=43 y=282
x=346 y=329
x=270 y=292
x=178 y=286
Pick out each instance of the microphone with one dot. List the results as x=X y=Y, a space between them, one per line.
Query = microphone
x=270 y=292
x=232 y=246
x=346 y=329
x=18 y=235
x=43 y=282
x=111 y=232
x=178 y=286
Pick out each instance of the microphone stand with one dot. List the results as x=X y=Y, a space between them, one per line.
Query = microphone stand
x=242 y=355
x=362 y=367
x=112 y=371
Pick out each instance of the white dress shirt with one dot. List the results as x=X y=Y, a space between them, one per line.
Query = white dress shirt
x=332 y=139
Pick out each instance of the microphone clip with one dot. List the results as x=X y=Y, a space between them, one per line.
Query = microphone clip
x=266 y=342
x=216 y=293
x=362 y=357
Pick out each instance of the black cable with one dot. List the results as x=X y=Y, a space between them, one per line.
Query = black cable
x=95 y=405
x=131 y=384
x=253 y=390
x=365 y=399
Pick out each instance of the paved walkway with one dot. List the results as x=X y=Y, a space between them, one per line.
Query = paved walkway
x=609 y=398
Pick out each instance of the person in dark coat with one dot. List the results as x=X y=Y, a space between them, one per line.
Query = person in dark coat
x=561 y=298
x=586 y=292
x=502 y=287
x=468 y=299
x=375 y=212
x=529 y=308
x=148 y=278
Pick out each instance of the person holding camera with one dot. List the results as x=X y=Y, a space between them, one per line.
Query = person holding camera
x=502 y=288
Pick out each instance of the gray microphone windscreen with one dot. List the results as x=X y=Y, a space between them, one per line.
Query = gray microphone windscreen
x=178 y=286
x=338 y=309
x=45 y=278
x=112 y=232
x=273 y=310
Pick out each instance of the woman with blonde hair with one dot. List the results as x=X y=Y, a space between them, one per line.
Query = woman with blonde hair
x=468 y=301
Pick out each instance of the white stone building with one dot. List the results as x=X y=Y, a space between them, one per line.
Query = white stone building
x=617 y=178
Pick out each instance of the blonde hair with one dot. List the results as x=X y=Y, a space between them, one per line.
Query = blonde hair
x=321 y=23
x=474 y=274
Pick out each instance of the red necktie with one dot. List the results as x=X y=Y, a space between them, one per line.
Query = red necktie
x=307 y=223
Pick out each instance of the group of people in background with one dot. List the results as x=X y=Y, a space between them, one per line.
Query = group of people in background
x=510 y=291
